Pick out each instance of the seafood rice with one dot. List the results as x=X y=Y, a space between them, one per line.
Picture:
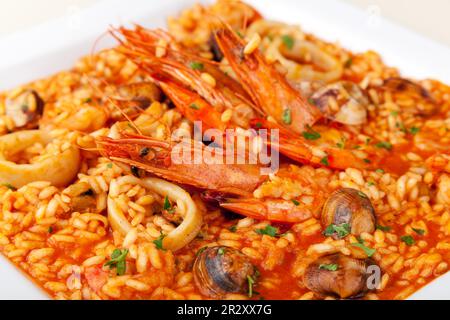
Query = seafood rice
x=93 y=205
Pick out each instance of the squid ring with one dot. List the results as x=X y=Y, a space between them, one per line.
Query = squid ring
x=59 y=169
x=177 y=238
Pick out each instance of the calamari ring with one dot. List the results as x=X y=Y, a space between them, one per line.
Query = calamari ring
x=177 y=238
x=329 y=69
x=59 y=169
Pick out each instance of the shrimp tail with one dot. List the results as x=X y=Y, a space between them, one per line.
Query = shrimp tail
x=269 y=209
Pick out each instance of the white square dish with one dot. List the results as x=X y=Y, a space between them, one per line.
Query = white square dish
x=56 y=46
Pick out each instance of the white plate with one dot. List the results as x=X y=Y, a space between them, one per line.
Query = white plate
x=56 y=45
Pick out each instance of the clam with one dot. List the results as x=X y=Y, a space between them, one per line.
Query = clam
x=344 y=102
x=338 y=275
x=221 y=270
x=351 y=207
x=25 y=109
x=426 y=104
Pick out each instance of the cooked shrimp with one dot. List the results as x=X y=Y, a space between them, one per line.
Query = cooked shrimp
x=239 y=181
x=168 y=62
x=322 y=146
x=267 y=87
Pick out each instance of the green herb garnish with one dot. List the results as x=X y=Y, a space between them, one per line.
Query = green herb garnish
x=384 y=145
x=311 y=135
x=409 y=240
x=379 y=171
x=196 y=65
x=118 y=261
x=329 y=267
x=325 y=161
x=159 y=242
x=194 y=106
x=420 y=232
x=221 y=251
x=109 y=165
x=9 y=186
x=268 y=230
x=414 y=130
x=288 y=41
x=295 y=202
x=368 y=251
x=251 y=282
x=50 y=230
x=168 y=206
x=199 y=252
x=384 y=228
x=287 y=116
x=348 y=63
x=341 y=230
x=233 y=228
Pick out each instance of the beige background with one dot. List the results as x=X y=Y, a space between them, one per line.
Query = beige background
x=428 y=17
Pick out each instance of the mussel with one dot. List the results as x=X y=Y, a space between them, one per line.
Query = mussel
x=339 y=275
x=351 y=207
x=25 y=109
x=221 y=270
x=344 y=102
x=425 y=105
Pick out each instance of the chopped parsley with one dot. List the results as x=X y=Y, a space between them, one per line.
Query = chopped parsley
x=362 y=195
x=329 y=267
x=118 y=261
x=384 y=145
x=420 y=232
x=379 y=171
x=295 y=202
x=168 y=206
x=288 y=41
x=268 y=230
x=408 y=240
x=311 y=135
x=368 y=251
x=9 y=186
x=159 y=242
x=233 y=228
x=325 y=161
x=135 y=171
x=370 y=183
x=394 y=113
x=144 y=151
x=109 y=165
x=348 y=63
x=221 y=251
x=50 y=230
x=367 y=161
x=287 y=116
x=194 y=106
x=384 y=228
x=199 y=252
x=87 y=100
x=341 y=230
x=196 y=65
x=414 y=130
x=312 y=101
x=258 y=125
x=251 y=283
